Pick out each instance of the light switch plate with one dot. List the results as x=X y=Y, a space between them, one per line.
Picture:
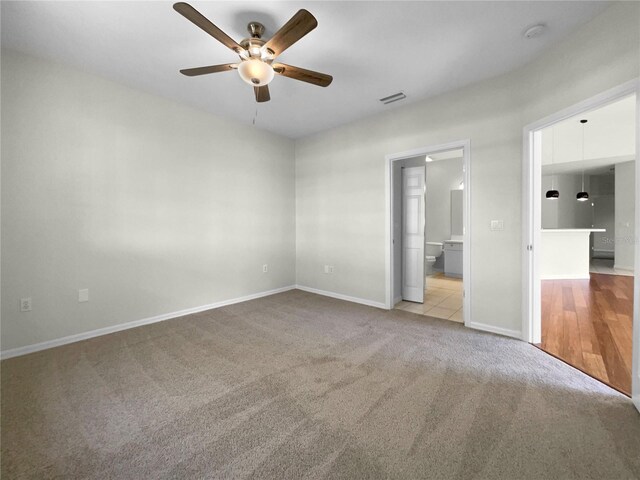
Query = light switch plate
x=497 y=225
x=83 y=295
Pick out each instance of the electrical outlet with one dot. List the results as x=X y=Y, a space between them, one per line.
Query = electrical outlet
x=25 y=304
x=83 y=295
x=326 y=269
x=265 y=268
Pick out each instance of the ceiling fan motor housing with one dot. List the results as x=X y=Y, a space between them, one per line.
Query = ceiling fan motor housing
x=256 y=29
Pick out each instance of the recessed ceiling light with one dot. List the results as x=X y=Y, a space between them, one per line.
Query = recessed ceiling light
x=535 y=30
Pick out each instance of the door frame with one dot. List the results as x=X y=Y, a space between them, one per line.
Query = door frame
x=466 y=219
x=532 y=219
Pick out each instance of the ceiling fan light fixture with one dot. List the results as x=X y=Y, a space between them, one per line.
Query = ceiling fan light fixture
x=255 y=72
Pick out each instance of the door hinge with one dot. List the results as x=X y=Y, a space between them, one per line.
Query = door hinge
x=530 y=247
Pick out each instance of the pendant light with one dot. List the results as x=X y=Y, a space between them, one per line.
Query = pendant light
x=552 y=194
x=582 y=196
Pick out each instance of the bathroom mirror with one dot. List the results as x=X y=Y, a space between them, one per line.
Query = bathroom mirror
x=456 y=212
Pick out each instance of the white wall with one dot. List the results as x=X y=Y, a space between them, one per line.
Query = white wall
x=566 y=211
x=153 y=206
x=442 y=177
x=625 y=215
x=340 y=173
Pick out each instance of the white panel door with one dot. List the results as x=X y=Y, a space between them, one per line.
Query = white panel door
x=413 y=234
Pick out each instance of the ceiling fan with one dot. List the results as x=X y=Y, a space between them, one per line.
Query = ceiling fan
x=256 y=66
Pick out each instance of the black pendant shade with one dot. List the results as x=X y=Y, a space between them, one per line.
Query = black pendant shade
x=582 y=196
x=552 y=194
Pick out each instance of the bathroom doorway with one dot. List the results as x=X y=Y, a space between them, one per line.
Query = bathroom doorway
x=429 y=263
x=581 y=212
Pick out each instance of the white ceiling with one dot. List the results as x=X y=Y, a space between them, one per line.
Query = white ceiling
x=596 y=166
x=372 y=49
x=609 y=138
x=447 y=155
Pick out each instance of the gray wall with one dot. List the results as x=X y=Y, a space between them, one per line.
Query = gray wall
x=442 y=177
x=153 y=206
x=602 y=193
x=340 y=173
x=625 y=215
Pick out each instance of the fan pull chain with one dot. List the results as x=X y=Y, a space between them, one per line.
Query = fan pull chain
x=255 y=116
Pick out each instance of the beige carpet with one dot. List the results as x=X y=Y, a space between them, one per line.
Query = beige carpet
x=302 y=386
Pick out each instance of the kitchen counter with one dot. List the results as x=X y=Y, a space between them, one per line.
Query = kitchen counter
x=565 y=253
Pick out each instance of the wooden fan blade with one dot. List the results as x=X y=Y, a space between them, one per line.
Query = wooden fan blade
x=193 y=72
x=262 y=93
x=195 y=17
x=292 y=31
x=297 y=73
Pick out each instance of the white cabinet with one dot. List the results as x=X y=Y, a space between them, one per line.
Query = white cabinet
x=453 y=259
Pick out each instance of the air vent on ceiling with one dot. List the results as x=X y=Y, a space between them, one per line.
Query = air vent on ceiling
x=393 y=98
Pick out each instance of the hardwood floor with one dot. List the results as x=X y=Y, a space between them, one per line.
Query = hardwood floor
x=588 y=324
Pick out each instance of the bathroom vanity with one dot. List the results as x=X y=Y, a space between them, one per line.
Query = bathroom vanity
x=453 y=258
x=453 y=247
x=565 y=253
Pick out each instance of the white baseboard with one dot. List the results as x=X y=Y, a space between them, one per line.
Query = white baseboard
x=15 y=352
x=565 y=277
x=397 y=300
x=339 y=296
x=499 y=330
x=636 y=402
x=478 y=326
x=623 y=267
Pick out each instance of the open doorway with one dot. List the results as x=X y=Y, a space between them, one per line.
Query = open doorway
x=429 y=258
x=582 y=241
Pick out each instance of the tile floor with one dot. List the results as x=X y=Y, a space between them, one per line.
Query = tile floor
x=442 y=299
x=603 y=265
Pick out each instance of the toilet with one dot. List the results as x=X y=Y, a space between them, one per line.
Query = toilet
x=432 y=251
